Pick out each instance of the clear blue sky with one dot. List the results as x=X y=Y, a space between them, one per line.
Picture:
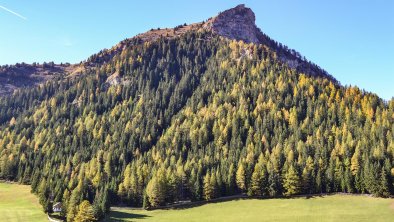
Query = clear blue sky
x=352 y=39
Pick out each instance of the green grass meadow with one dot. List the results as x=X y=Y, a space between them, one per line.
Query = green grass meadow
x=326 y=208
x=17 y=204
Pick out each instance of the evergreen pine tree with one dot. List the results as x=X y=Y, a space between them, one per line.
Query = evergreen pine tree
x=208 y=188
x=384 y=185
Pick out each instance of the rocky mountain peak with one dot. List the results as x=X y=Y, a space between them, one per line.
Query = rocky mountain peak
x=235 y=23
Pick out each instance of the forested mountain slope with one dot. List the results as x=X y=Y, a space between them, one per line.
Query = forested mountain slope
x=195 y=115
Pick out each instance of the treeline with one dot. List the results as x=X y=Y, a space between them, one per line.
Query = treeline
x=192 y=120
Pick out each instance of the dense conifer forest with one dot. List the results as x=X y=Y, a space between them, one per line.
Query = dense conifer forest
x=194 y=117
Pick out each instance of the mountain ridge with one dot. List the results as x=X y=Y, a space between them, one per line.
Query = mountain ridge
x=237 y=23
x=230 y=24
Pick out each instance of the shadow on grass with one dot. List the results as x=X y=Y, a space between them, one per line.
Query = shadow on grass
x=237 y=198
x=226 y=199
x=124 y=216
x=201 y=203
x=56 y=216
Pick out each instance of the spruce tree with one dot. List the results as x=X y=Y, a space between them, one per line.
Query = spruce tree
x=384 y=185
x=306 y=181
x=208 y=187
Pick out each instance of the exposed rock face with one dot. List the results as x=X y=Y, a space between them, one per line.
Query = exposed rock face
x=113 y=79
x=235 y=23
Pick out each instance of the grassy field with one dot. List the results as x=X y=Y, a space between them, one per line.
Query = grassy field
x=18 y=204
x=328 y=208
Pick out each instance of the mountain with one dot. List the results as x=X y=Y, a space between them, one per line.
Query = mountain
x=195 y=112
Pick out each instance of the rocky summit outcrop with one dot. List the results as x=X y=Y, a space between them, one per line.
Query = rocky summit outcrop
x=235 y=23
